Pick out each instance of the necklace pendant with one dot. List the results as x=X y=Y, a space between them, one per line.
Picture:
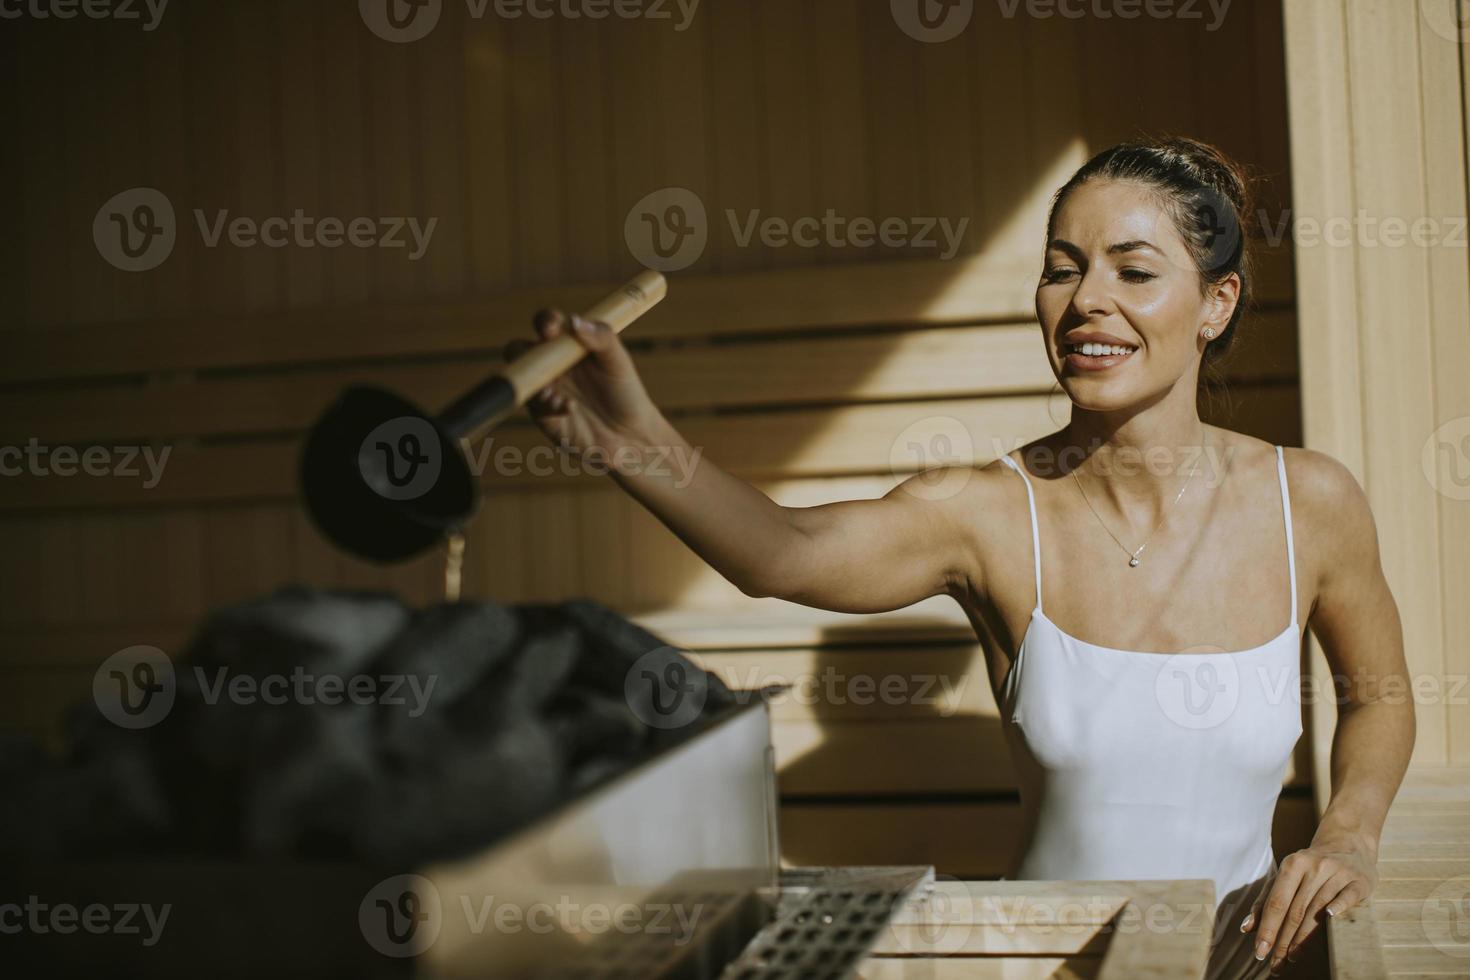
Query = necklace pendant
x=1133 y=562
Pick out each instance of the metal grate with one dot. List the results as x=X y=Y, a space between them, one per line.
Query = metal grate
x=827 y=921
x=819 y=925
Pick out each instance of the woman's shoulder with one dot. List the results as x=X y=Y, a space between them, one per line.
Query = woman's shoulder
x=1320 y=481
x=1332 y=520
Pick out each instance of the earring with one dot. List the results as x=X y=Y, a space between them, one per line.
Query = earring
x=1209 y=333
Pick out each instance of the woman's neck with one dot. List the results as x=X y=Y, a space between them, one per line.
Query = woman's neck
x=1137 y=463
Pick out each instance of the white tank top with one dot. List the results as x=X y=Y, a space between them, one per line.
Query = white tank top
x=1141 y=765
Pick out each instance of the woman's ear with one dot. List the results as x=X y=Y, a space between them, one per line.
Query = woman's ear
x=1222 y=299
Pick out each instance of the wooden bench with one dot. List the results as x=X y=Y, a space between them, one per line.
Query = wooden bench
x=1417 y=922
x=1016 y=930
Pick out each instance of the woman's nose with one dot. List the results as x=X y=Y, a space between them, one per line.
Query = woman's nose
x=1091 y=297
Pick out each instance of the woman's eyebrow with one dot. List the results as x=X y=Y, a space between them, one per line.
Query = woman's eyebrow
x=1062 y=244
x=1132 y=245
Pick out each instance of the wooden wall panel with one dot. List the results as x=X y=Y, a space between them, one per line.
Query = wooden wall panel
x=1383 y=327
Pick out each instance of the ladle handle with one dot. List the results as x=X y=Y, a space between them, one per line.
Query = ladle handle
x=493 y=400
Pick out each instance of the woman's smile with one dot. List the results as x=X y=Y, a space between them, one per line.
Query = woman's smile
x=1097 y=357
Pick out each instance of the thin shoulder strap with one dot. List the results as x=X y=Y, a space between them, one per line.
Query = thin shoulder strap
x=1286 y=516
x=1035 y=534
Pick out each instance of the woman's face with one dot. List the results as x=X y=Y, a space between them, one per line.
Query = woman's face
x=1117 y=274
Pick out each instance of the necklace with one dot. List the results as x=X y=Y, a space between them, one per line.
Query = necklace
x=1133 y=555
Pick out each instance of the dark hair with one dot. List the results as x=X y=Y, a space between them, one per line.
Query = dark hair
x=1205 y=193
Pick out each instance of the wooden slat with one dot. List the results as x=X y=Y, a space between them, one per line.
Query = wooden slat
x=971 y=840
x=921 y=363
x=804 y=442
x=984 y=288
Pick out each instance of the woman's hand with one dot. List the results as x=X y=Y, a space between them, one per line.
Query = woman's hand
x=1331 y=876
x=601 y=402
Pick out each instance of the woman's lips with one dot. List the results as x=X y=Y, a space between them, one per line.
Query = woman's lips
x=1096 y=362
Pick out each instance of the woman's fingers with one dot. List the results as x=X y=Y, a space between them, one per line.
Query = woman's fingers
x=1330 y=892
x=1271 y=920
x=1298 y=921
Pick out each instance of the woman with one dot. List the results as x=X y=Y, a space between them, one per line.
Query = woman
x=1157 y=747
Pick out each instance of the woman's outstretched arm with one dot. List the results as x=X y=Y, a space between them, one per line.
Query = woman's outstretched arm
x=854 y=556
x=850 y=556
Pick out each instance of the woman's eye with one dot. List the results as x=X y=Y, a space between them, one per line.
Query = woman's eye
x=1057 y=275
x=1137 y=275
